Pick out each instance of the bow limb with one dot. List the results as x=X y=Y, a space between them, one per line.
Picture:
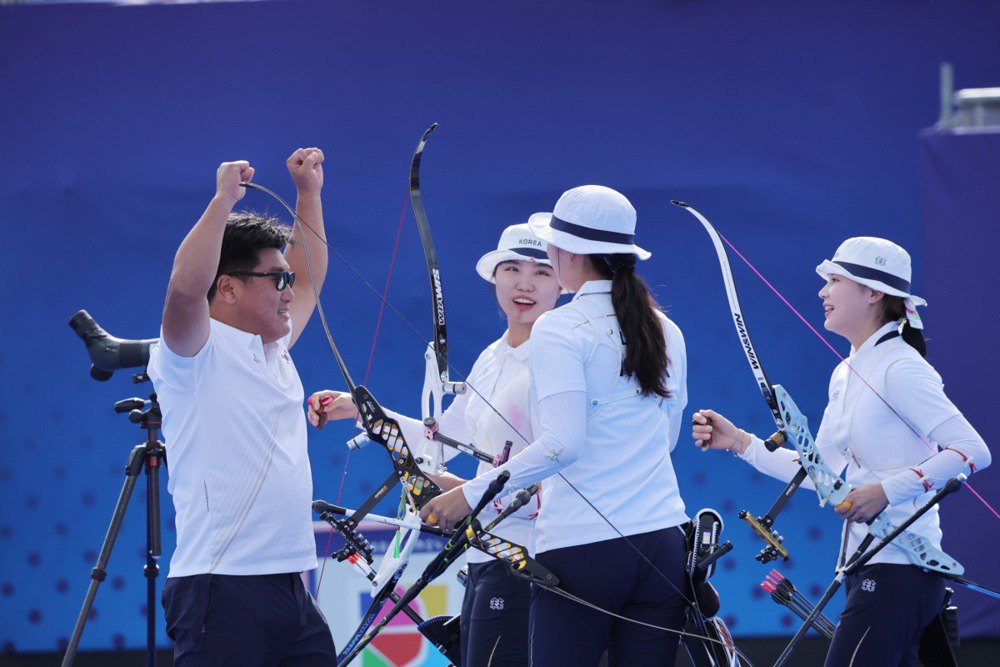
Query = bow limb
x=430 y=254
x=766 y=389
x=437 y=382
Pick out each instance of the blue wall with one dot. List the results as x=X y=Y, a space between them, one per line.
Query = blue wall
x=791 y=127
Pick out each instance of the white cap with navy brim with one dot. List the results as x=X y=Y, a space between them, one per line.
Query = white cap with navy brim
x=517 y=243
x=590 y=220
x=879 y=264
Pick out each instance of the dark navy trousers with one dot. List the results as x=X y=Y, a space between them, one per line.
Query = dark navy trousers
x=611 y=575
x=258 y=620
x=888 y=607
x=495 y=617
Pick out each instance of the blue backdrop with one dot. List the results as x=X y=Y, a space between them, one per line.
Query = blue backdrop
x=791 y=127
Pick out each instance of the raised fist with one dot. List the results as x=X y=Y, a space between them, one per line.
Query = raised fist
x=228 y=179
x=306 y=167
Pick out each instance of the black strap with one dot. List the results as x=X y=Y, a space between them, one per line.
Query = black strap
x=889 y=336
x=590 y=234
x=531 y=252
x=868 y=273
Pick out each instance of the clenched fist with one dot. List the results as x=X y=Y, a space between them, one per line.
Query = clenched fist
x=306 y=168
x=228 y=179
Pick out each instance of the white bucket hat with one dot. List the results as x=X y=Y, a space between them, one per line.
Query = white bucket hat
x=590 y=220
x=517 y=243
x=879 y=264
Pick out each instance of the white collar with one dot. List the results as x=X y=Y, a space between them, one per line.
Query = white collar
x=503 y=348
x=594 y=287
x=244 y=338
x=873 y=340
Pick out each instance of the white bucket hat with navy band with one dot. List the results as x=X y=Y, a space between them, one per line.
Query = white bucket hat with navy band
x=879 y=264
x=590 y=220
x=517 y=243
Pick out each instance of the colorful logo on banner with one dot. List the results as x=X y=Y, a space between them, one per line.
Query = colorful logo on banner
x=401 y=644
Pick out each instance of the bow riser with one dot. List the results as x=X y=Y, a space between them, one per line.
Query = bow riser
x=829 y=486
x=833 y=490
x=386 y=431
x=431 y=407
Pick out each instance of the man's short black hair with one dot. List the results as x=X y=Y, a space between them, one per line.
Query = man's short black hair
x=246 y=234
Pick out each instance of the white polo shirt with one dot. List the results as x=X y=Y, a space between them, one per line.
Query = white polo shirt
x=593 y=426
x=239 y=471
x=499 y=376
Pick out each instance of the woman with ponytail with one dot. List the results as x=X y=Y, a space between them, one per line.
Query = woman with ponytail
x=899 y=436
x=608 y=378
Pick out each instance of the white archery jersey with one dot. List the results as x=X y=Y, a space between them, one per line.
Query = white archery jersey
x=593 y=425
x=498 y=378
x=893 y=446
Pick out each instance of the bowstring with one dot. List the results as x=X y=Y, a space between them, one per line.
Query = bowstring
x=378 y=324
x=387 y=304
x=368 y=368
x=933 y=449
x=385 y=290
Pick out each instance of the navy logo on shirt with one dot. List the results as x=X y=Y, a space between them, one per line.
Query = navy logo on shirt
x=496 y=604
x=868 y=585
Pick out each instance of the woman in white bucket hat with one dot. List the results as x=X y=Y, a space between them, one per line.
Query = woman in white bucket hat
x=608 y=383
x=890 y=423
x=494 y=619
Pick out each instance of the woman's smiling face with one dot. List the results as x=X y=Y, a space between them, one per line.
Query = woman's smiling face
x=525 y=290
x=848 y=306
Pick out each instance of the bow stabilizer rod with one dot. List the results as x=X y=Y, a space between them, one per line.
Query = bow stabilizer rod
x=455 y=546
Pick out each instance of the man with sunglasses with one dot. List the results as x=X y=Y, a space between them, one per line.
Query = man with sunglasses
x=236 y=431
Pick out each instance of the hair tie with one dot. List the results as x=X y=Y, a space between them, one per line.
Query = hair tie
x=622 y=263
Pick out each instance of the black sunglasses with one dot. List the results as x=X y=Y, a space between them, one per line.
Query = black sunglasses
x=283 y=279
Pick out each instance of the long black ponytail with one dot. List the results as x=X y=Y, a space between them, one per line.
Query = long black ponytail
x=893 y=310
x=635 y=308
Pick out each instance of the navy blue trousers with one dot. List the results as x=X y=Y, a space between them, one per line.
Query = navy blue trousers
x=888 y=607
x=251 y=621
x=495 y=617
x=611 y=575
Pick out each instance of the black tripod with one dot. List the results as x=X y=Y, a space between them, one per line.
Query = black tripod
x=148 y=455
